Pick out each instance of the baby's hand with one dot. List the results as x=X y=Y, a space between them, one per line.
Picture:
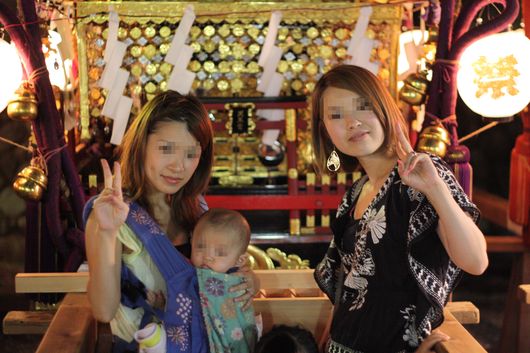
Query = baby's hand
x=156 y=299
x=428 y=343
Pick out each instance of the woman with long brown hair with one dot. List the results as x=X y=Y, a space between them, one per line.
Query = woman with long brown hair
x=153 y=193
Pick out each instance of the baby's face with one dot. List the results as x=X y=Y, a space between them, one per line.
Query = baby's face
x=213 y=250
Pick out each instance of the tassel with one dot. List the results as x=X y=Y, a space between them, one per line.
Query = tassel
x=458 y=159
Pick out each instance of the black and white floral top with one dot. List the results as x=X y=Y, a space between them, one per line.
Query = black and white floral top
x=396 y=274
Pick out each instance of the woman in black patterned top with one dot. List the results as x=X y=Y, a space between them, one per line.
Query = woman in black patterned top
x=403 y=232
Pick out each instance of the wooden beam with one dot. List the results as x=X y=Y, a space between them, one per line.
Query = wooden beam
x=51 y=282
x=73 y=329
x=464 y=312
x=505 y=243
x=495 y=209
x=27 y=322
x=461 y=340
x=524 y=293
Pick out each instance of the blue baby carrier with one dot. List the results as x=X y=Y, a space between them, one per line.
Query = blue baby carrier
x=182 y=317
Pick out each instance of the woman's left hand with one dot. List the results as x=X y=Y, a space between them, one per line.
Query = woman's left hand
x=415 y=169
x=248 y=285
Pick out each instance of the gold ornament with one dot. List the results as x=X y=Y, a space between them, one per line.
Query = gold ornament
x=164 y=31
x=149 y=32
x=209 y=30
x=414 y=90
x=31 y=183
x=135 y=33
x=434 y=139
x=23 y=106
x=312 y=32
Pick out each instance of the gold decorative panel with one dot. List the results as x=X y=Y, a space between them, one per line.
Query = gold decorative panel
x=227 y=38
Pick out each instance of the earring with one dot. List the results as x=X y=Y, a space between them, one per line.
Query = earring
x=333 y=162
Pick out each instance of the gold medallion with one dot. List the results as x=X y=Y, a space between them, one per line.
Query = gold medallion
x=151 y=69
x=312 y=33
x=209 y=46
x=150 y=87
x=95 y=93
x=194 y=66
x=149 y=51
x=341 y=33
x=238 y=66
x=254 y=48
x=297 y=85
x=164 y=48
x=195 y=32
x=136 y=70
x=238 y=30
x=297 y=66
x=165 y=31
x=209 y=30
x=253 y=67
x=209 y=66
x=222 y=85
x=224 y=30
x=236 y=84
x=149 y=32
x=283 y=66
x=135 y=33
x=122 y=33
x=136 y=51
x=224 y=67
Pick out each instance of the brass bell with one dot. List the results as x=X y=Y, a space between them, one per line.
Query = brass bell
x=31 y=183
x=414 y=90
x=434 y=139
x=23 y=106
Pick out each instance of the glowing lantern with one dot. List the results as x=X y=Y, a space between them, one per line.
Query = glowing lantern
x=494 y=75
x=10 y=72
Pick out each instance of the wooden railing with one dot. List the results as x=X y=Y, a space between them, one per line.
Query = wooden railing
x=74 y=330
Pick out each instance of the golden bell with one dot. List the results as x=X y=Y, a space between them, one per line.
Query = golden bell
x=23 y=106
x=31 y=183
x=434 y=139
x=414 y=90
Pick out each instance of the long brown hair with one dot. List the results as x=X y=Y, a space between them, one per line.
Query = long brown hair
x=365 y=84
x=164 y=107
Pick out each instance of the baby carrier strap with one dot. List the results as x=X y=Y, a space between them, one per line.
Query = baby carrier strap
x=182 y=316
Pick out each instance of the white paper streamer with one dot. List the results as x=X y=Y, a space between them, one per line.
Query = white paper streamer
x=360 y=47
x=180 y=36
x=269 y=70
x=121 y=119
x=274 y=22
x=181 y=81
x=111 y=68
x=183 y=58
x=114 y=95
x=112 y=34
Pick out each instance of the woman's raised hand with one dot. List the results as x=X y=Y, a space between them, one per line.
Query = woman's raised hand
x=415 y=169
x=109 y=208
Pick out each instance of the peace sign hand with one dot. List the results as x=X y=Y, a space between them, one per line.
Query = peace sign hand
x=109 y=208
x=415 y=169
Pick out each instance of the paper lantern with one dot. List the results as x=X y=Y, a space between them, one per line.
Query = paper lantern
x=10 y=72
x=494 y=75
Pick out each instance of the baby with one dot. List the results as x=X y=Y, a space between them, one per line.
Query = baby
x=219 y=243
